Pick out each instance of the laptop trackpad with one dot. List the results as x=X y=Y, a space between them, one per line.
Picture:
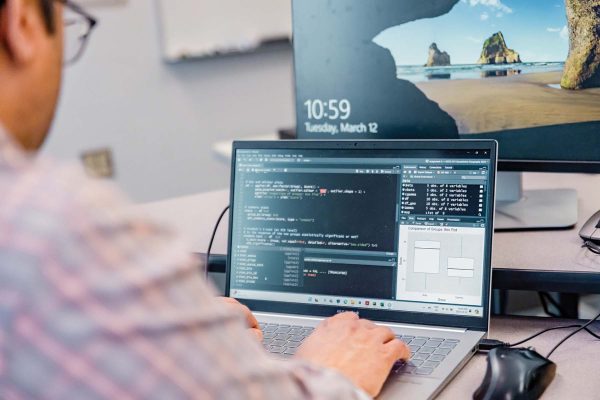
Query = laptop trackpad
x=409 y=387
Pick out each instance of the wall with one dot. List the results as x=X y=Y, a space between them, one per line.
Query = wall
x=159 y=119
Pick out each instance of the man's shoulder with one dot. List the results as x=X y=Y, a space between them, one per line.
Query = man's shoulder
x=52 y=194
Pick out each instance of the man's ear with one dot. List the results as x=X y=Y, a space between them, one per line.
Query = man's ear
x=17 y=30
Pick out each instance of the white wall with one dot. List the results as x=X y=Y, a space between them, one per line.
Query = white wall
x=159 y=119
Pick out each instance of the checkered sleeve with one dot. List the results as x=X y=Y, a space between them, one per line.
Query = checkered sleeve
x=98 y=304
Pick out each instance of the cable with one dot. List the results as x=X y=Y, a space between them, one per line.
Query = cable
x=572 y=334
x=544 y=297
x=590 y=245
x=588 y=330
x=486 y=345
x=541 y=333
x=212 y=239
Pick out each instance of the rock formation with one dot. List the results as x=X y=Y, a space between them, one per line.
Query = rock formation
x=437 y=58
x=329 y=43
x=495 y=51
x=582 y=69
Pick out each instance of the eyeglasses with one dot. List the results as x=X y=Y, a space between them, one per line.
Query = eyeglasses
x=591 y=245
x=78 y=28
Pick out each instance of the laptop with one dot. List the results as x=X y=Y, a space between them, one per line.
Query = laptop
x=399 y=232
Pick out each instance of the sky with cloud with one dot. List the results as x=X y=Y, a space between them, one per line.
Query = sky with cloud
x=535 y=28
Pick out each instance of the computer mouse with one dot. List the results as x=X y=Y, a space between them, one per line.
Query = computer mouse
x=591 y=229
x=515 y=374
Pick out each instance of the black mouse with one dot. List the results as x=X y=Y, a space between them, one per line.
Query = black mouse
x=515 y=374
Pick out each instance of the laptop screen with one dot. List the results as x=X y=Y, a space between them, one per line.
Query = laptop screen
x=392 y=230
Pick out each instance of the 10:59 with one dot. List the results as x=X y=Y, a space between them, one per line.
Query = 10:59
x=331 y=109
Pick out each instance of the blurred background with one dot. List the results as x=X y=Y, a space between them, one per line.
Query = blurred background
x=160 y=118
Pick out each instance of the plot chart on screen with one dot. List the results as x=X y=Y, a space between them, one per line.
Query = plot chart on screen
x=440 y=264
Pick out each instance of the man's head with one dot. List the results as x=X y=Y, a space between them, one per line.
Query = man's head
x=31 y=54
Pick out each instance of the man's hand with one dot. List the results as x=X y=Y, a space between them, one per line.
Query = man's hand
x=250 y=318
x=359 y=349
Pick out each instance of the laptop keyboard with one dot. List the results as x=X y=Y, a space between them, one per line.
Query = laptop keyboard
x=284 y=339
x=427 y=352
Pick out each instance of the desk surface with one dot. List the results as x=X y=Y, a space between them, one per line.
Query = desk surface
x=576 y=359
x=540 y=251
x=552 y=250
x=516 y=253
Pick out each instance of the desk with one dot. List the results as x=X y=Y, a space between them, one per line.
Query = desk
x=536 y=261
x=576 y=359
x=543 y=260
x=551 y=260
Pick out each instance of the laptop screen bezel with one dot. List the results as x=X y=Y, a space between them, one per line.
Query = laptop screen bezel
x=454 y=321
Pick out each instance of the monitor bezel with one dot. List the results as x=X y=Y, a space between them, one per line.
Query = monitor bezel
x=549 y=166
x=400 y=317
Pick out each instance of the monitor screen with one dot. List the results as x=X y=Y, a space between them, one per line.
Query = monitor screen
x=394 y=231
x=518 y=71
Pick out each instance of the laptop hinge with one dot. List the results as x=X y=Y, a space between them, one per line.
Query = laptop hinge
x=388 y=324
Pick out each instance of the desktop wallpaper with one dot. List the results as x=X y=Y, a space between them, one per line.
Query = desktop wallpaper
x=524 y=72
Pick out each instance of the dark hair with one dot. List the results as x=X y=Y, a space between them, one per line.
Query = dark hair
x=47 y=13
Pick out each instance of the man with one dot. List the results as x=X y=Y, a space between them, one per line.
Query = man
x=95 y=303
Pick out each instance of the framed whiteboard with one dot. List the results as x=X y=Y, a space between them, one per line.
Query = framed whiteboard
x=205 y=28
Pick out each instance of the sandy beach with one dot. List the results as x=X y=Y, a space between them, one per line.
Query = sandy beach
x=523 y=101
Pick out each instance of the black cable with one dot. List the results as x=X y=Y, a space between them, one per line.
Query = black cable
x=588 y=330
x=212 y=239
x=541 y=333
x=486 y=345
x=572 y=334
x=543 y=299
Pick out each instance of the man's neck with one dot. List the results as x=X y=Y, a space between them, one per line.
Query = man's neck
x=16 y=108
x=6 y=133
x=10 y=114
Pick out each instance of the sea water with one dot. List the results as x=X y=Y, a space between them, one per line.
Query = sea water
x=474 y=71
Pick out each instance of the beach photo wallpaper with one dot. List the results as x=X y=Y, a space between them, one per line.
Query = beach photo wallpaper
x=523 y=72
x=497 y=65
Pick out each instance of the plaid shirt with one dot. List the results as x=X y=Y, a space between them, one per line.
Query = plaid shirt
x=98 y=304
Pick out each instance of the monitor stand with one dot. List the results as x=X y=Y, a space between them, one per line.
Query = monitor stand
x=517 y=209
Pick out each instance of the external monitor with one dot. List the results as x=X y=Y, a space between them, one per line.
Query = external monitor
x=523 y=72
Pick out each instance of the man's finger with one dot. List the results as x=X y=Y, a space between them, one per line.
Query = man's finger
x=258 y=333
x=250 y=318
x=350 y=316
x=385 y=335
x=229 y=300
x=397 y=350
x=252 y=321
x=367 y=324
x=236 y=305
